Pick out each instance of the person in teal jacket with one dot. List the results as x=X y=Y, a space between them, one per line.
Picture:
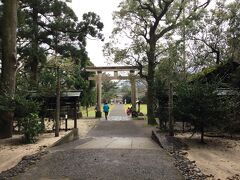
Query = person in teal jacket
x=106 y=109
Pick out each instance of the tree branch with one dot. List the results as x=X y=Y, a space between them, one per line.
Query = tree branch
x=148 y=7
x=140 y=68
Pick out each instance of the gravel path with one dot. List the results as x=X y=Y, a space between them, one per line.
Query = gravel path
x=72 y=161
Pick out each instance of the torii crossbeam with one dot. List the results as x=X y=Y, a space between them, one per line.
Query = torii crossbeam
x=98 y=78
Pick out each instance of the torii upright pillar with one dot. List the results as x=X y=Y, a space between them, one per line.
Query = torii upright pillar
x=115 y=69
x=133 y=92
x=99 y=94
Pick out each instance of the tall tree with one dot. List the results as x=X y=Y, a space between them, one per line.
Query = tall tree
x=9 y=64
x=147 y=23
x=51 y=27
x=233 y=32
x=207 y=37
x=1 y=14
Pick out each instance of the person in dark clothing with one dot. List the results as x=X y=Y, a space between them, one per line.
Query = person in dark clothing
x=106 y=109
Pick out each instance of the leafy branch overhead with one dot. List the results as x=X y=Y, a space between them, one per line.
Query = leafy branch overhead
x=147 y=26
x=145 y=22
x=52 y=28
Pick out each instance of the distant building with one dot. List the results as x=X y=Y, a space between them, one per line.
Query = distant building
x=118 y=99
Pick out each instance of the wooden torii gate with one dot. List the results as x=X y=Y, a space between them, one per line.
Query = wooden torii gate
x=98 y=78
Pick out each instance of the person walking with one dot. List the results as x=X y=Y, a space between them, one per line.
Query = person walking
x=106 y=109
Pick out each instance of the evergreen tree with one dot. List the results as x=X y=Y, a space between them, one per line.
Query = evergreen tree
x=9 y=65
x=51 y=28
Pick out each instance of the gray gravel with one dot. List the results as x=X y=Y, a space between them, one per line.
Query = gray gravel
x=66 y=162
x=120 y=129
x=177 y=149
x=105 y=164
x=21 y=167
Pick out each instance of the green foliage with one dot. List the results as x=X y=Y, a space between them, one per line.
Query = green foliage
x=161 y=95
x=125 y=89
x=200 y=105
x=214 y=38
x=71 y=76
x=24 y=107
x=232 y=114
x=203 y=73
x=108 y=89
x=127 y=97
x=233 y=33
x=89 y=98
x=6 y=103
x=47 y=26
x=149 y=25
x=47 y=81
x=26 y=112
x=31 y=127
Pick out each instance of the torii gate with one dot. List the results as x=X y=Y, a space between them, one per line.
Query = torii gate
x=98 y=78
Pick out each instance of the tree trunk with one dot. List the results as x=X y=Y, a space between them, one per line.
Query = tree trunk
x=35 y=45
x=58 y=103
x=150 y=99
x=34 y=72
x=87 y=110
x=150 y=80
x=150 y=92
x=183 y=126
x=202 y=134
x=218 y=57
x=170 y=110
x=9 y=64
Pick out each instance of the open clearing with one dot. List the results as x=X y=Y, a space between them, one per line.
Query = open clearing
x=219 y=156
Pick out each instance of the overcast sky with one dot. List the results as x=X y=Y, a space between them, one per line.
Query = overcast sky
x=104 y=8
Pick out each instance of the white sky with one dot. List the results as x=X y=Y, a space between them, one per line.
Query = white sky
x=103 y=8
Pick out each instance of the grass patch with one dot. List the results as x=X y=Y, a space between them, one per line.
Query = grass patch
x=91 y=111
x=143 y=109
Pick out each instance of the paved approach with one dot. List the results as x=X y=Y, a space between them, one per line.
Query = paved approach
x=112 y=150
x=118 y=113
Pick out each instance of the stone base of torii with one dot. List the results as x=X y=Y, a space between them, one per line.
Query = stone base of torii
x=98 y=78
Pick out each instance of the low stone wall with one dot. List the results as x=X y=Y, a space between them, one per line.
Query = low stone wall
x=71 y=136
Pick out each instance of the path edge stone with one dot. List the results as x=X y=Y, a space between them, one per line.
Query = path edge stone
x=71 y=136
x=186 y=167
x=29 y=160
x=156 y=138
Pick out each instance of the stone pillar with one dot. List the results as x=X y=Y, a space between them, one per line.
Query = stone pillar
x=99 y=94
x=75 y=114
x=133 y=92
x=115 y=74
x=170 y=110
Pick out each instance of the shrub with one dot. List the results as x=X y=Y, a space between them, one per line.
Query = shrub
x=26 y=112
x=161 y=95
x=31 y=127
